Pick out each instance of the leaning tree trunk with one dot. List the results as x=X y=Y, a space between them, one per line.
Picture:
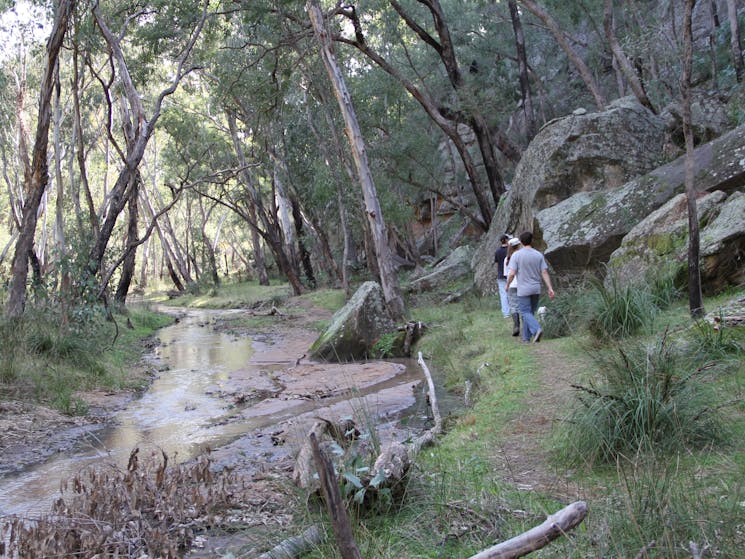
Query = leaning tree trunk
x=538 y=11
x=628 y=71
x=373 y=212
x=38 y=178
x=128 y=266
x=695 y=300
x=522 y=66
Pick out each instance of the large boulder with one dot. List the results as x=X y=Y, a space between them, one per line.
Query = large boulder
x=661 y=240
x=582 y=232
x=355 y=327
x=456 y=266
x=582 y=152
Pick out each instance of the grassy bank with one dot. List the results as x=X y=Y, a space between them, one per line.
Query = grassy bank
x=49 y=359
x=517 y=455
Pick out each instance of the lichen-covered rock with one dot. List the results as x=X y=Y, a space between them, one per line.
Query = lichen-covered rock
x=582 y=232
x=723 y=246
x=582 y=152
x=661 y=239
x=456 y=266
x=356 y=327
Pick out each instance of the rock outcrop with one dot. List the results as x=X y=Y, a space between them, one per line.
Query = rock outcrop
x=580 y=153
x=582 y=232
x=456 y=266
x=661 y=240
x=355 y=327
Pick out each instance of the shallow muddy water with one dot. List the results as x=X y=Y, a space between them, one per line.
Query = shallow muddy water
x=235 y=394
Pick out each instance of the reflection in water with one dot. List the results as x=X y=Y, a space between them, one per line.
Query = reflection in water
x=182 y=412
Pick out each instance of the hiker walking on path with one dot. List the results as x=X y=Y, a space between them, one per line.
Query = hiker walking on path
x=499 y=255
x=530 y=267
x=513 y=246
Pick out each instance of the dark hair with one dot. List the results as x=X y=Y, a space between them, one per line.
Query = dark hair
x=504 y=238
x=526 y=238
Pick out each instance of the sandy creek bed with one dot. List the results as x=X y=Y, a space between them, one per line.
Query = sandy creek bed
x=249 y=398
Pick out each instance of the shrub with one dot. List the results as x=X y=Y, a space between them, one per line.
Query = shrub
x=645 y=398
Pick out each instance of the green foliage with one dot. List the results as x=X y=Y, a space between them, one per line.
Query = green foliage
x=50 y=354
x=386 y=345
x=644 y=398
x=620 y=310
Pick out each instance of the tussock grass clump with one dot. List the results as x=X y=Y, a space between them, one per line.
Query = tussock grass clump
x=620 y=310
x=148 y=508
x=645 y=398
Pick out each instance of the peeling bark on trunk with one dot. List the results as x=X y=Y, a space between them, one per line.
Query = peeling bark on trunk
x=373 y=212
x=38 y=177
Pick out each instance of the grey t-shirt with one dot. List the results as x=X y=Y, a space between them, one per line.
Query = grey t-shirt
x=528 y=264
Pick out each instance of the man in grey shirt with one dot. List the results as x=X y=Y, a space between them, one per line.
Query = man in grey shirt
x=529 y=266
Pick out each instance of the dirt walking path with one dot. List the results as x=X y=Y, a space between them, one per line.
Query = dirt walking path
x=522 y=459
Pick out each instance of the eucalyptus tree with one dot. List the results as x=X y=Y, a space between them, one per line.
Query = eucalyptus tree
x=36 y=174
x=166 y=28
x=373 y=212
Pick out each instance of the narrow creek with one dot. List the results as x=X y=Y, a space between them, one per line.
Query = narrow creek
x=234 y=394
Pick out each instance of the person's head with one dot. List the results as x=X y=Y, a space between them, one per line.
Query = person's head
x=526 y=238
x=512 y=246
x=504 y=238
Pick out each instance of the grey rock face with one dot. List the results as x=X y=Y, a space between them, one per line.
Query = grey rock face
x=356 y=327
x=579 y=153
x=660 y=239
x=456 y=266
x=583 y=231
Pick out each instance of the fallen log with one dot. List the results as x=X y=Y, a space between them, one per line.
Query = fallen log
x=297 y=546
x=556 y=525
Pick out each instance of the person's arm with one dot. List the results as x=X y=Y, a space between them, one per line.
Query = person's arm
x=510 y=277
x=547 y=281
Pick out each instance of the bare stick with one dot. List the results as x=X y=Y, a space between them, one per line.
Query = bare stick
x=335 y=504
x=428 y=437
x=536 y=538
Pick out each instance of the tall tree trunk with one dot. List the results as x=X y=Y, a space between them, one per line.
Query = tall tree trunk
x=714 y=17
x=297 y=217
x=374 y=214
x=80 y=147
x=38 y=179
x=734 y=27
x=695 y=300
x=128 y=266
x=628 y=71
x=259 y=262
x=538 y=11
x=522 y=66
x=59 y=214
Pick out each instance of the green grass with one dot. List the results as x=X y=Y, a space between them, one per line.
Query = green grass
x=51 y=360
x=229 y=296
x=459 y=502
